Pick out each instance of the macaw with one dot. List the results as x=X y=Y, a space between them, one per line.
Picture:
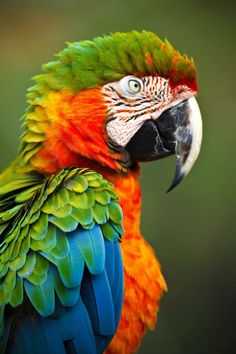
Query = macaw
x=76 y=275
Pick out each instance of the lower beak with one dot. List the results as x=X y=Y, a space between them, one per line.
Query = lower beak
x=177 y=131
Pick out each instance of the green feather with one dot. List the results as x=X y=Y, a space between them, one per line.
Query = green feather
x=31 y=151
x=27 y=194
x=32 y=137
x=5 y=216
x=14 y=185
x=29 y=265
x=13 y=235
x=36 y=279
x=113 y=195
x=47 y=243
x=18 y=263
x=63 y=211
x=82 y=200
x=83 y=216
x=64 y=195
x=17 y=293
x=21 y=235
x=118 y=228
x=6 y=255
x=102 y=197
x=94 y=182
x=66 y=224
x=25 y=245
x=38 y=235
x=109 y=232
x=10 y=280
x=41 y=265
x=100 y=213
x=91 y=246
x=89 y=226
x=39 y=228
x=67 y=270
x=115 y=212
x=35 y=217
x=78 y=184
x=51 y=204
x=7 y=286
x=62 y=246
x=67 y=296
x=4 y=269
x=3 y=227
x=41 y=296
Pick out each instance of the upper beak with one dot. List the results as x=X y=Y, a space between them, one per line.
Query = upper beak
x=177 y=131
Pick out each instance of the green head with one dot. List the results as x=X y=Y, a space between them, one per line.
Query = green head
x=91 y=63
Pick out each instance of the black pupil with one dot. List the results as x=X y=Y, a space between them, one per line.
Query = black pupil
x=134 y=85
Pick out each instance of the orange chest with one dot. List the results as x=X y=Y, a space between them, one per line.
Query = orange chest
x=143 y=281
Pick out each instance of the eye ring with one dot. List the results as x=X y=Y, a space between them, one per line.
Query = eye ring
x=131 y=85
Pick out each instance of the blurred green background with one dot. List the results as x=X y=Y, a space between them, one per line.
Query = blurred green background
x=193 y=228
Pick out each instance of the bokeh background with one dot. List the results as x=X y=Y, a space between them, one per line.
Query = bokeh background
x=192 y=229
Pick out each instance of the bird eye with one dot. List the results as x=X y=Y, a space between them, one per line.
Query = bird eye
x=131 y=85
x=134 y=86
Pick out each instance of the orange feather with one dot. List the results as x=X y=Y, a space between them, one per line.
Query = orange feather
x=144 y=283
x=74 y=133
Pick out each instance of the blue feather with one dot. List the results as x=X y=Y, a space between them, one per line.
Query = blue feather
x=83 y=315
x=37 y=335
x=41 y=296
x=114 y=270
x=97 y=297
x=117 y=286
x=71 y=267
x=110 y=260
x=91 y=246
x=89 y=300
x=67 y=296
x=104 y=301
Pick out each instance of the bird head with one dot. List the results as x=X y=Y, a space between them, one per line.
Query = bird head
x=115 y=101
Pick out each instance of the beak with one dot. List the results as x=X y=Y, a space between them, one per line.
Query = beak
x=177 y=131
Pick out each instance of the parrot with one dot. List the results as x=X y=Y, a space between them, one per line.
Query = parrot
x=76 y=274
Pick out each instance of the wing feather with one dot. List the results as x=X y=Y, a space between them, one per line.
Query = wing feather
x=60 y=263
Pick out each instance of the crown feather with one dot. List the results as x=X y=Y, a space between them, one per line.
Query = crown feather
x=90 y=63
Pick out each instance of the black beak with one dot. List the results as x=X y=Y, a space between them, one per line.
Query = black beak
x=177 y=131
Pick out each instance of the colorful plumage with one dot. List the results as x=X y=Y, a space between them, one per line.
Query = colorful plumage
x=76 y=276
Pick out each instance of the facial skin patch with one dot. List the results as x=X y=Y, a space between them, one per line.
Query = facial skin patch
x=133 y=100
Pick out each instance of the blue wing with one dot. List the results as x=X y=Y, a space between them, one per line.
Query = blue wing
x=72 y=281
